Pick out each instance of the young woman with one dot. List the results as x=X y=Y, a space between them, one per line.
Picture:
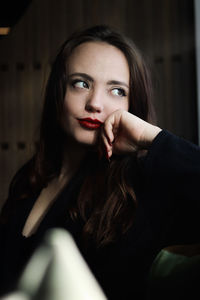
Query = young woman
x=119 y=184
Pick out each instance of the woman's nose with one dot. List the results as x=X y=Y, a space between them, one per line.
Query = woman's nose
x=94 y=102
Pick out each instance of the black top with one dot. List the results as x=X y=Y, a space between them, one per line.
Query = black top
x=167 y=189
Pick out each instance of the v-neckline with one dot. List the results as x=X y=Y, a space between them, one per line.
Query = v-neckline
x=69 y=190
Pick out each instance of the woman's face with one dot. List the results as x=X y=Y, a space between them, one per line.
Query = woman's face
x=98 y=84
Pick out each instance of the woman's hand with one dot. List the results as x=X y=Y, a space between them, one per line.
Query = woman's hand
x=123 y=132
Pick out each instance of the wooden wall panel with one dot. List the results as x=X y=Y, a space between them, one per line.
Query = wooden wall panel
x=164 y=30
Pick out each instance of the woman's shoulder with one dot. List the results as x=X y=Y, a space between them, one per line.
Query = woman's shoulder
x=21 y=181
x=19 y=188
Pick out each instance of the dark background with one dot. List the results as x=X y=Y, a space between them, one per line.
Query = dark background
x=163 y=30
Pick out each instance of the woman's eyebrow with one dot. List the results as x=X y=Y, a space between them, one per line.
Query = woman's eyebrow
x=89 y=78
x=116 y=82
x=83 y=75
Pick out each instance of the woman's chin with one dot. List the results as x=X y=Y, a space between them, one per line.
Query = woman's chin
x=83 y=142
x=89 y=140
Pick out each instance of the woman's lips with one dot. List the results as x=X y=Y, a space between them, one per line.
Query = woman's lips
x=89 y=123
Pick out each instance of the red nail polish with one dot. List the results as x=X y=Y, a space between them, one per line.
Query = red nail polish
x=107 y=157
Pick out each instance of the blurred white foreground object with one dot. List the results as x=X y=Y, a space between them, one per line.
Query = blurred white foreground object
x=57 y=271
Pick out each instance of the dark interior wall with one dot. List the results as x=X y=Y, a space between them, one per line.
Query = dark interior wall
x=163 y=30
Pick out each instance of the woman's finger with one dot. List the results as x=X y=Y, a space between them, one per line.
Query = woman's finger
x=107 y=145
x=108 y=131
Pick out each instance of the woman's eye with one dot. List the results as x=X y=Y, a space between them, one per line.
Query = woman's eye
x=118 y=92
x=80 y=84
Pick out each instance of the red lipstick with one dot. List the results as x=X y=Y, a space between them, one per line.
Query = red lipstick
x=89 y=123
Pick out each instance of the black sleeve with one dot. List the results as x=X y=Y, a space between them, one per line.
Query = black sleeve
x=171 y=172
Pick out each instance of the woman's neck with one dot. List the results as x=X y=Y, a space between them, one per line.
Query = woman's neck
x=73 y=155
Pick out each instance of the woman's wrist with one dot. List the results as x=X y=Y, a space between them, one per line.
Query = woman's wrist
x=150 y=134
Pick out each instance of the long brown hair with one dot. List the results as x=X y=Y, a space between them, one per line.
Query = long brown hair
x=110 y=213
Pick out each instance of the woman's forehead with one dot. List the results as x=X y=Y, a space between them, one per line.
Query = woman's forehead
x=99 y=58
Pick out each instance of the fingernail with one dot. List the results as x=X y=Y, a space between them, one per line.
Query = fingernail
x=107 y=156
